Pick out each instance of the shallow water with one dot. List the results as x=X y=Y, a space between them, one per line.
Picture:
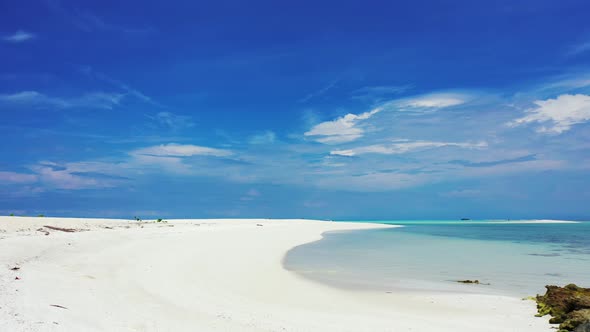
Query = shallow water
x=514 y=259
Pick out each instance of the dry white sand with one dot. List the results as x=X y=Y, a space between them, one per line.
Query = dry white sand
x=208 y=275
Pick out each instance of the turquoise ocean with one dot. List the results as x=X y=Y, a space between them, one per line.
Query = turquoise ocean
x=508 y=258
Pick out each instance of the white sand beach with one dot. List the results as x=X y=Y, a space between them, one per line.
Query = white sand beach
x=209 y=275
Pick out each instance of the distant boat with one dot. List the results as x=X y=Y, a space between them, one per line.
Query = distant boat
x=465 y=219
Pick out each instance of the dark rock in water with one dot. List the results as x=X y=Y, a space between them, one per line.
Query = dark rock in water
x=468 y=281
x=583 y=327
x=568 y=306
x=475 y=282
x=465 y=219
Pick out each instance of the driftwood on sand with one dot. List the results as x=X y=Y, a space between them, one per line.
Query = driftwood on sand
x=61 y=229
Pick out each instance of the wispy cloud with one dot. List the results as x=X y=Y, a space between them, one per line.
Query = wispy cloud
x=563 y=84
x=462 y=193
x=341 y=130
x=560 y=113
x=19 y=37
x=404 y=146
x=69 y=177
x=16 y=178
x=90 y=22
x=579 y=48
x=160 y=159
x=319 y=92
x=21 y=191
x=95 y=100
x=172 y=121
x=120 y=85
x=371 y=182
x=432 y=101
x=267 y=137
x=180 y=150
x=250 y=195
x=379 y=93
x=467 y=163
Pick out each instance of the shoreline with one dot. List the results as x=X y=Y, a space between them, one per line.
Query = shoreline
x=209 y=275
x=475 y=221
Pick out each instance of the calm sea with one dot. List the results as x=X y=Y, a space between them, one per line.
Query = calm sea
x=507 y=258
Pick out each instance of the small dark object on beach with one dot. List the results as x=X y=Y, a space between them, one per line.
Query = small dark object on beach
x=43 y=230
x=16 y=268
x=259 y=225
x=58 y=306
x=568 y=306
x=16 y=278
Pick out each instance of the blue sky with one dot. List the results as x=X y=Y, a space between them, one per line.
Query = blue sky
x=340 y=110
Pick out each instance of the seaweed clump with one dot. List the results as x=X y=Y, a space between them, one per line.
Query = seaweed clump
x=568 y=306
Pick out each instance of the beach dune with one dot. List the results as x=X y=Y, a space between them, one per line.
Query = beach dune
x=208 y=275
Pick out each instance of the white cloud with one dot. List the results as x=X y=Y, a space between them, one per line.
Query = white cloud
x=347 y=129
x=435 y=100
x=562 y=113
x=341 y=130
x=156 y=163
x=96 y=100
x=19 y=178
x=19 y=37
x=179 y=150
x=403 y=146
